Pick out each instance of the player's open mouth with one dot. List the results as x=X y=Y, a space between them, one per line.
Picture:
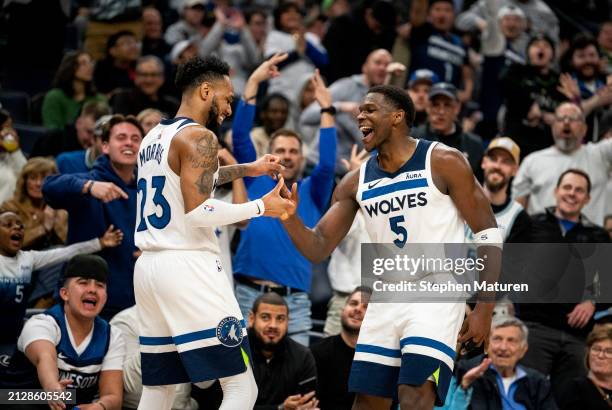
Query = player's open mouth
x=367 y=133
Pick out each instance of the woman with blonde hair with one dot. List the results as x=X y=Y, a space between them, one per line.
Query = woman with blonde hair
x=44 y=226
x=593 y=391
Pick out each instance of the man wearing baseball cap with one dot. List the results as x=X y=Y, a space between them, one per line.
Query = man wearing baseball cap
x=71 y=347
x=442 y=125
x=499 y=164
x=419 y=85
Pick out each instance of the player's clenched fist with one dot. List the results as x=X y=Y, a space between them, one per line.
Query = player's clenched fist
x=275 y=204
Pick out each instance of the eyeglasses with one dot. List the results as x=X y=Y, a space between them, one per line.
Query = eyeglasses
x=568 y=118
x=596 y=350
x=145 y=74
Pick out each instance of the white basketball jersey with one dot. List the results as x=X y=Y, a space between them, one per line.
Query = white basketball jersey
x=406 y=206
x=160 y=213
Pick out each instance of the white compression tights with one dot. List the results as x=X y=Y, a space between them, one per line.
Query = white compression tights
x=239 y=392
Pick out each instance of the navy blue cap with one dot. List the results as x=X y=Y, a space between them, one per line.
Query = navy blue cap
x=445 y=89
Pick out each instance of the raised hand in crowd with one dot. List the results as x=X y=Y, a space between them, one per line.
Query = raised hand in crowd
x=474 y=373
x=266 y=70
x=356 y=159
x=111 y=238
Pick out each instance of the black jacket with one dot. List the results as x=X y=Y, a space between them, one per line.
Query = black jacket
x=533 y=391
x=557 y=270
x=280 y=378
x=467 y=143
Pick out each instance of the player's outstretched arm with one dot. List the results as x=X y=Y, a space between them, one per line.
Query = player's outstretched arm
x=453 y=175
x=318 y=243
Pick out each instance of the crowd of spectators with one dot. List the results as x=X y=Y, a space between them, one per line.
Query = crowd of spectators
x=523 y=88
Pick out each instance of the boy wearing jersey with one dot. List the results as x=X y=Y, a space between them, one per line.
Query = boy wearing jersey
x=71 y=347
x=16 y=267
x=190 y=323
x=406 y=350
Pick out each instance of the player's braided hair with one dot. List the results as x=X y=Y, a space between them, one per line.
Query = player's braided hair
x=198 y=70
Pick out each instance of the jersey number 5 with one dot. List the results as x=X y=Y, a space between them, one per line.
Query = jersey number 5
x=158 y=222
x=399 y=230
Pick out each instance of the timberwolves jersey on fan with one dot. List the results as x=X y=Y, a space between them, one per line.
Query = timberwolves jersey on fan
x=160 y=214
x=406 y=206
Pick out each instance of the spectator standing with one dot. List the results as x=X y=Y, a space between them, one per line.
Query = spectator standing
x=290 y=276
x=589 y=82
x=191 y=24
x=334 y=354
x=442 y=125
x=304 y=50
x=285 y=371
x=353 y=36
x=531 y=96
x=503 y=43
x=558 y=331
x=498 y=381
x=56 y=342
x=540 y=17
x=436 y=48
x=11 y=157
x=537 y=176
x=105 y=196
x=44 y=226
x=117 y=69
x=347 y=93
x=419 y=85
x=72 y=87
x=146 y=92
x=593 y=391
x=153 y=42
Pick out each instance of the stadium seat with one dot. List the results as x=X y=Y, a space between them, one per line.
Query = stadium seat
x=17 y=103
x=36 y=108
x=30 y=136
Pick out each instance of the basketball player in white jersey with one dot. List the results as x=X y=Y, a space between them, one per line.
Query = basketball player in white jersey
x=412 y=191
x=191 y=329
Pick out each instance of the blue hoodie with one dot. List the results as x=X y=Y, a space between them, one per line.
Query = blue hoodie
x=89 y=218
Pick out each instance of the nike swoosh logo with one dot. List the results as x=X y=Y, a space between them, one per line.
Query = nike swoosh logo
x=373 y=184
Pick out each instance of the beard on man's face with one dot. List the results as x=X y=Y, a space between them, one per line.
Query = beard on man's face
x=213 y=115
x=351 y=330
x=495 y=186
x=271 y=347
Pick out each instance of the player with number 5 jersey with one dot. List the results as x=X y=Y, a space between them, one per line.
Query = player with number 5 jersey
x=191 y=328
x=410 y=192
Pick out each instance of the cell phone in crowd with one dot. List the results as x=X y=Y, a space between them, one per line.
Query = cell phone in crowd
x=307 y=385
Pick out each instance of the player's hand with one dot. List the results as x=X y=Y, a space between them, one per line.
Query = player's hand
x=268 y=69
x=321 y=92
x=111 y=238
x=107 y=191
x=477 y=325
x=277 y=206
x=267 y=165
x=356 y=159
x=292 y=196
x=474 y=373
x=580 y=316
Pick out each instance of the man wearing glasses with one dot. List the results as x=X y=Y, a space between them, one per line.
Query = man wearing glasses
x=536 y=179
x=146 y=92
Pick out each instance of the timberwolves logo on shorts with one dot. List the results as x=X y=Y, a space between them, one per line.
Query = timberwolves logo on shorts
x=229 y=332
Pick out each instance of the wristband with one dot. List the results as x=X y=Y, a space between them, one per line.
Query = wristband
x=490 y=237
x=331 y=110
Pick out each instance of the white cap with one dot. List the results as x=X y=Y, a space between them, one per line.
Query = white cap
x=191 y=3
x=178 y=49
x=510 y=10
